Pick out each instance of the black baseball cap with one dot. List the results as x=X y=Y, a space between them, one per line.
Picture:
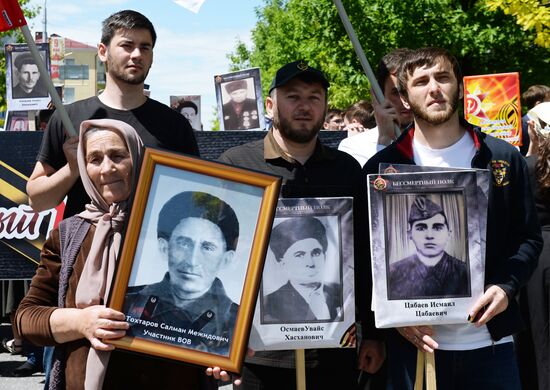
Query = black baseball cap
x=297 y=69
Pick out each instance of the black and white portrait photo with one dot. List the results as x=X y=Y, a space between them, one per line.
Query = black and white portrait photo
x=191 y=259
x=240 y=100
x=427 y=238
x=307 y=294
x=190 y=107
x=25 y=85
x=429 y=258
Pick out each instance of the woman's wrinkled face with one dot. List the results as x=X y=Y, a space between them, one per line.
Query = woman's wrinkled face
x=109 y=165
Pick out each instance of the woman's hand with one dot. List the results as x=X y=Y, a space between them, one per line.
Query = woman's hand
x=99 y=322
x=93 y=323
x=420 y=337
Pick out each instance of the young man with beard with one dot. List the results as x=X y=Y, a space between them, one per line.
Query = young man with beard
x=126 y=48
x=478 y=354
x=297 y=102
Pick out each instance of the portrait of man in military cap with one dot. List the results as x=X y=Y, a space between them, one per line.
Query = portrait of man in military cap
x=299 y=245
x=197 y=235
x=240 y=108
x=26 y=77
x=430 y=272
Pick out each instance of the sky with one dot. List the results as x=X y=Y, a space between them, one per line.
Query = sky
x=190 y=49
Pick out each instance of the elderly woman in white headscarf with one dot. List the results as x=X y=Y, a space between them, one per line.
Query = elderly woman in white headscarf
x=65 y=305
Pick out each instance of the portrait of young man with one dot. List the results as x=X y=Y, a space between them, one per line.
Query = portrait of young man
x=300 y=246
x=430 y=272
x=26 y=77
x=197 y=234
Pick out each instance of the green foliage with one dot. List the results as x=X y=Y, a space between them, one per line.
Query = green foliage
x=484 y=41
x=215 y=121
x=529 y=14
x=17 y=37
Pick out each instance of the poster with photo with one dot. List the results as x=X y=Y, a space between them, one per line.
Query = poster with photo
x=427 y=253
x=19 y=121
x=25 y=87
x=306 y=298
x=190 y=107
x=190 y=267
x=240 y=101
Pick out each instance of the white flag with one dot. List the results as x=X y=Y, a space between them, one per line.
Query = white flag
x=191 y=5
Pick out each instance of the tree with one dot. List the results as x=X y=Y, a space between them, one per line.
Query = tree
x=530 y=14
x=483 y=40
x=12 y=36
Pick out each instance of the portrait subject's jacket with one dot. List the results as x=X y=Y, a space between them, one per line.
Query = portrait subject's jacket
x=410 y=278
x=246 y=118
x=205 y=324
x=286 y=305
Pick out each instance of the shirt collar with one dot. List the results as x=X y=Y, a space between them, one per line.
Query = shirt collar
x=405 y=142
x=273 y=151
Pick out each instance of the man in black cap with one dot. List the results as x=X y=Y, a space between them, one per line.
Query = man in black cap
x=300 y=245
x=297 y=102
x=240 y=113
x=431 y=272
x=197 y=233
x=28 y=78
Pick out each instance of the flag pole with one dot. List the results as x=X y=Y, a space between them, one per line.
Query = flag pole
x=362 y=57
x=44 y=76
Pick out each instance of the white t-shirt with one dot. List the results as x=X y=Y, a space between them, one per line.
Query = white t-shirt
x=455 y=337
x=362 y=146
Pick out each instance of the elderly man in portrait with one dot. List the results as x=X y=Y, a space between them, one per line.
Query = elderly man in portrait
x=300 y=245
x=431 y=271
x=28 y=78
x=197 y=234
x=240 y=113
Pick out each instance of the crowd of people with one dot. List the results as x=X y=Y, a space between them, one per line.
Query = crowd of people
x=417 y=123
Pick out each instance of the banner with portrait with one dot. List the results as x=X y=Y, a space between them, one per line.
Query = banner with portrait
x=25 y=86
x=190 y=107
x=427 y=233
x=306 y=298
x=240 y=101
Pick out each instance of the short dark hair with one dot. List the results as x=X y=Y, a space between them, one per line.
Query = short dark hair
x=362 y=112
x=187 y=103
x=389 y=64
x=426 y=56
x=292 y=230
x=331 y=113
x=24 y=59
x=125 y=20
x=192 y=204
x=534 y=94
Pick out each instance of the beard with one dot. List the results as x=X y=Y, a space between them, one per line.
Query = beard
x=301 y=135
x=436 y=118
x=117 y=72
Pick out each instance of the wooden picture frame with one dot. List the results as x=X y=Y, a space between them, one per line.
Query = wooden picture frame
x=209 y=239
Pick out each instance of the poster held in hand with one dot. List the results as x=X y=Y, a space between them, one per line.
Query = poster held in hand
x=426 y=246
